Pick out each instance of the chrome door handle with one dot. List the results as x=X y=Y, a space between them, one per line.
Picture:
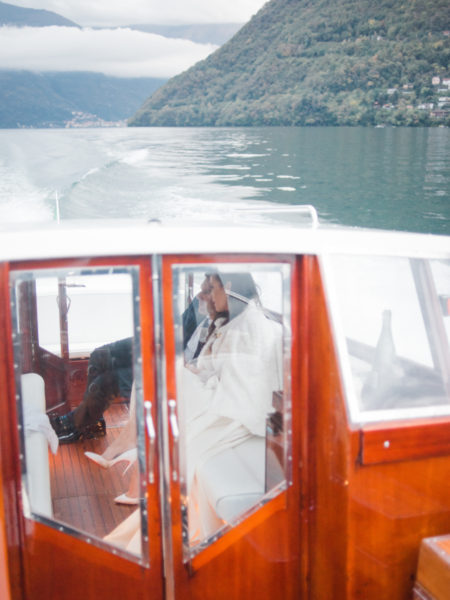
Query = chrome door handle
x=152 y=440
x=175 y=437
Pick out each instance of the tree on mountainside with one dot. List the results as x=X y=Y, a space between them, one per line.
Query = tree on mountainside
x=316 y=62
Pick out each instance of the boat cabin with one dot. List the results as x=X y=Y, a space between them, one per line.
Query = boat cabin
x=286 y=396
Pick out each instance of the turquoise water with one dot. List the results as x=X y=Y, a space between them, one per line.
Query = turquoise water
x=390 y=178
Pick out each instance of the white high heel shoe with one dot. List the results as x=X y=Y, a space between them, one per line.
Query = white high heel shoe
x=129 y=456
x=124 y=499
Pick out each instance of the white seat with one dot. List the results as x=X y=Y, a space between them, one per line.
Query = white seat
x=234 y=479
x=36 y=444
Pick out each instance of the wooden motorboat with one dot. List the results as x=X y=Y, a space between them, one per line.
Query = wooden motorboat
x=331 y=500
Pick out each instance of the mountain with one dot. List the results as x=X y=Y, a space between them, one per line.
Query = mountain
x=318 y=62
x=69 y=99
x=17 y=16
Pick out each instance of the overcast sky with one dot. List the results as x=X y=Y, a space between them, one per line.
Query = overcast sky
x=118 y=50
x=131 y=12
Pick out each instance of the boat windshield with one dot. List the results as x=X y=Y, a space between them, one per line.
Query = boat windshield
x=392 y=323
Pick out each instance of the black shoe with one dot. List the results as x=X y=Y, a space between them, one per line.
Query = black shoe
x=69 y=437
x=89 y=432
x=65 y=428
x=68 y=433
x=97 y=429
x=62 y=424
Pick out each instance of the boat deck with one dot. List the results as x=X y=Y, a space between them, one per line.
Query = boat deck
x=82 y=492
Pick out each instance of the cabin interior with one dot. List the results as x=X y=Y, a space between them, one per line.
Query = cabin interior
x=338 y=498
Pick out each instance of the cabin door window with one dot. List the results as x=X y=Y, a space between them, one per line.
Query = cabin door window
x=196 y=359
x=77 y=348
x=229 y=400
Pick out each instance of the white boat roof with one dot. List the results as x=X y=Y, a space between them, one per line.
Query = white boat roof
x=94 y=238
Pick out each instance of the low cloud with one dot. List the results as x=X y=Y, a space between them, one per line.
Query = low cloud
x=119 y=52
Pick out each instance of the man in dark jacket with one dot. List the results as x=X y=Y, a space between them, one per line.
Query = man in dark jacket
x=110 y=375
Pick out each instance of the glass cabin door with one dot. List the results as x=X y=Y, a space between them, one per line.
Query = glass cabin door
x=89 y=529
x=215 y=372
x=229 y=444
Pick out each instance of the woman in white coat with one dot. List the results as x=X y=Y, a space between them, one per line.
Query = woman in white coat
x=227 y=395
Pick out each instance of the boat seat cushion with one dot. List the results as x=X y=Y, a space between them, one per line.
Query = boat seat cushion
x=234 y=479
x=36 y=443
x=33 y=392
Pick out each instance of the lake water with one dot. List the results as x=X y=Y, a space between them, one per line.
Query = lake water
x=390 y=178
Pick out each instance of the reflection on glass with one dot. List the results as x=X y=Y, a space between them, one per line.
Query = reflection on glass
x=395 y=329
x=75 y=354
x=230 y=394
x=440 y=270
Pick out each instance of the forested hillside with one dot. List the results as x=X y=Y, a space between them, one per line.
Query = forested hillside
x=319 y=62
x=69 y=99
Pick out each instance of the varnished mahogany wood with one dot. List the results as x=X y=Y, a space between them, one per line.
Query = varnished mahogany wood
x=82 y=492
x=35 y=359
x=53 y=369
x=261 y=557
x=9 y=531
x=433 y=574
x=27 y=309
x=4 y=569
x=392 y=507
x=63 y=309
x=47 y=563
x=301 y=295
x=405 y=440
x=419 y=593
x=329 y=452
x=350 y=527
x=76 y=379
x=366 y=520
x=11 y=522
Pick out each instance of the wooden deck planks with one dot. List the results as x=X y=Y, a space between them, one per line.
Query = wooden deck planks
x=82 y=492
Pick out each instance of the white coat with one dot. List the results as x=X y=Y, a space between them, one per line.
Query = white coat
x=227 y=400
